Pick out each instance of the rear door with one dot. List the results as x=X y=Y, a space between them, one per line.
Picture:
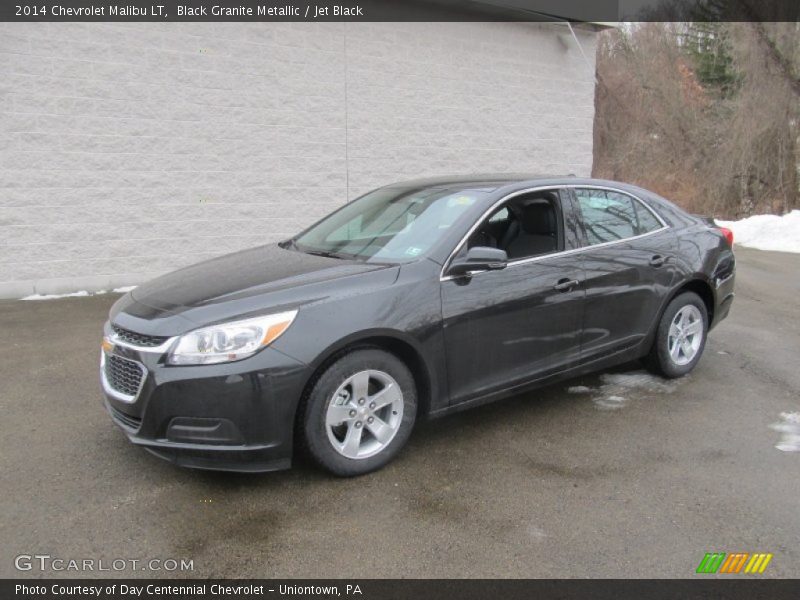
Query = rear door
x=628 y=266
x=503 y=328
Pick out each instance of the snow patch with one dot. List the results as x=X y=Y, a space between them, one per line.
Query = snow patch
x=791 y=417
x=80 y=294
x=638 y=380
x=616 y=390
x=789 y=428
x=579 y=389
x=767 y=232
x=536 y=533
x=610 y=402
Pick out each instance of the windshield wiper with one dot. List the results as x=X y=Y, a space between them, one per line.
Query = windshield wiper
x=290 y=244
x=324 y=253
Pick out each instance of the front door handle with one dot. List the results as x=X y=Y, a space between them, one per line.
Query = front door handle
x=565 y=285
x=658 y=260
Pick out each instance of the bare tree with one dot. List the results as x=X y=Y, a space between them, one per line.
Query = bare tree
x=706 y=114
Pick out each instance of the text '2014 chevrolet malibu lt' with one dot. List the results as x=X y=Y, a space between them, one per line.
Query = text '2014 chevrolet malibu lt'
x=412 y=301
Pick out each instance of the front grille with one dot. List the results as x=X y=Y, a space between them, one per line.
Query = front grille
x=138 y=339
x=123 y=375
x=125 y=419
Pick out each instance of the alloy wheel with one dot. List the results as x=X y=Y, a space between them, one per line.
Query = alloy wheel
x=685 y=335
x=364 y=414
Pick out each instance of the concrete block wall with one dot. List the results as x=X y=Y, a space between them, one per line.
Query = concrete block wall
x=131 y=149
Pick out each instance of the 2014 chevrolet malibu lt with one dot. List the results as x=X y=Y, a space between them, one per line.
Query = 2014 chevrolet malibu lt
x=414 y=300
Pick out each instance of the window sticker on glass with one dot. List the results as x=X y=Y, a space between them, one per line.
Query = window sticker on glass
x=460 y=201
x=413 y=251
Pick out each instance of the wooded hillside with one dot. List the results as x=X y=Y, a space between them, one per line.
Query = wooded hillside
x=705 y=114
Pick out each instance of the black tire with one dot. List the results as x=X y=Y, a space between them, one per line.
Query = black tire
x=659 y=360
x=312 y=426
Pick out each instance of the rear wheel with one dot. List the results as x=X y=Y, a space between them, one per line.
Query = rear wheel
x=680 y=338
x=359 y=412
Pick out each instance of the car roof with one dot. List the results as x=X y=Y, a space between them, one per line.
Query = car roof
x=480 y=181
x=489 y=182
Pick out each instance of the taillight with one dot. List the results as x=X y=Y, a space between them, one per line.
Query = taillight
x=728 y=235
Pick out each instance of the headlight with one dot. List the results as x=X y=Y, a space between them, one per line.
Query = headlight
x=229 y=341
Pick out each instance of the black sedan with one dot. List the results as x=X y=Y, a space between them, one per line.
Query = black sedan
x=415 y=300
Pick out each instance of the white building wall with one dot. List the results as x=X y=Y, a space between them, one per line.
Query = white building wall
x=128 y=150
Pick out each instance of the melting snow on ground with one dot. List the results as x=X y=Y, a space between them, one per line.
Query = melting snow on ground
x=767 y=232
x=789 y=428
x=81 y=294
x=616 y=389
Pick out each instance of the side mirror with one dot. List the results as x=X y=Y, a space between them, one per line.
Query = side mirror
x=479 y=258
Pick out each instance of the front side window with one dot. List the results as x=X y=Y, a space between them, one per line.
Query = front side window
x=397 y=224
x=611 y=216
x=525 y=226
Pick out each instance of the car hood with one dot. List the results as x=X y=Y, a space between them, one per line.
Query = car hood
x=247 y=282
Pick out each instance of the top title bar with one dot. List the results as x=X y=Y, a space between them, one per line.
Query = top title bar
x=598 y=12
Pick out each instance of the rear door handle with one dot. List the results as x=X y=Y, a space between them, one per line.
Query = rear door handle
x=565 y=285
x=658 y=260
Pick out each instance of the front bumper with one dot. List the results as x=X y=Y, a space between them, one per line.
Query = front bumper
x=236 y=416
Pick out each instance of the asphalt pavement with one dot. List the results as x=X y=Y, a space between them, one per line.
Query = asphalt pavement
x=615 y=475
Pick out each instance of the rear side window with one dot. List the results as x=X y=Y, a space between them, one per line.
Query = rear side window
x=610 y=216
x=647 y=220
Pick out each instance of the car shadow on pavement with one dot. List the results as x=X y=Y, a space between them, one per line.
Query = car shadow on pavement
x=516 y=414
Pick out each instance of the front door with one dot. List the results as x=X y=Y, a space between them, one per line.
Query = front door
x=504 y=328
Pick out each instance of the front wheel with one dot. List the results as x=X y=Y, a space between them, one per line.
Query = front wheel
x=680 y=338
x=359 y=412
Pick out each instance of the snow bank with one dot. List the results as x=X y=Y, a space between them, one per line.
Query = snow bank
x=767 y=232
x=56 y=296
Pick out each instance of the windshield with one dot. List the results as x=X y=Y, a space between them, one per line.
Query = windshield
x=390 y=224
